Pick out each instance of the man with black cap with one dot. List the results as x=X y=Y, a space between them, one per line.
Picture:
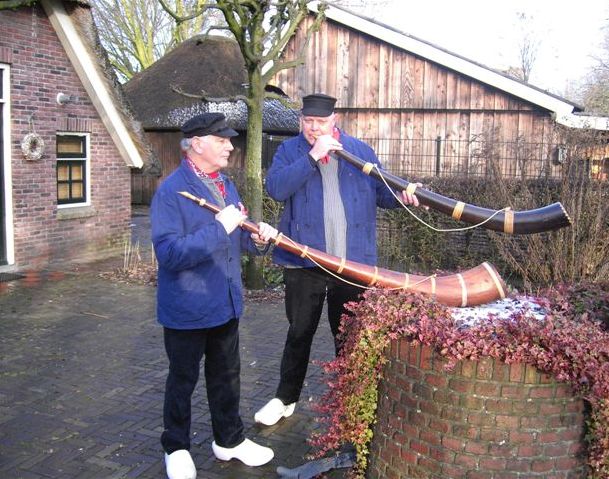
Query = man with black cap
x=199 y=295
x=328 y=205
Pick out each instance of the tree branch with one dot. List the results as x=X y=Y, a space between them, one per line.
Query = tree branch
x=238 y=21
x=202 y=95
x=181 y=19
x=278 y=48
x=216 y=27
x=285 y=101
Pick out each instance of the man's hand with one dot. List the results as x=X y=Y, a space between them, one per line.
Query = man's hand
x=411 y=198
x=265 y=234
x=230 y=217
x=323 y=145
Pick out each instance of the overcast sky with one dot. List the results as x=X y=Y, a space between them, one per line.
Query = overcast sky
x=487 y=31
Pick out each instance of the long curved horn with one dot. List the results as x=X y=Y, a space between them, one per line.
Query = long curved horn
x=479 y=285
x=548 y=218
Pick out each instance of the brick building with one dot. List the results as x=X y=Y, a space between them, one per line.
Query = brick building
x=67 y=144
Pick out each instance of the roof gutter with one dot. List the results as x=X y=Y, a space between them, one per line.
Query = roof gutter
x=584 y=122
x=89 y=75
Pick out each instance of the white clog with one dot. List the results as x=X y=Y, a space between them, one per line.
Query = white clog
x=248 y=452
x=273 y=411
x=179 y=465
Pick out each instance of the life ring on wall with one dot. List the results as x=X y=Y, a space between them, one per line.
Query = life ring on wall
x=32 y=146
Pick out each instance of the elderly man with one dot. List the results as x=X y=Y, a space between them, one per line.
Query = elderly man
x=330 y=206
x=199 y=297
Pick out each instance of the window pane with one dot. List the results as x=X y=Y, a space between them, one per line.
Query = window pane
x=63 y=191
x=63 y=172
x=77 y=191
x=76 y=172
x=70 y=145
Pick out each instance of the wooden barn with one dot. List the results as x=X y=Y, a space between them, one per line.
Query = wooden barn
x=428 y=111
x=67 y=145
x=171 y=91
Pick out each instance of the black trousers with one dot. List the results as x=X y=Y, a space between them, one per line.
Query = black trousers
x=185 y=350
x=305 y=292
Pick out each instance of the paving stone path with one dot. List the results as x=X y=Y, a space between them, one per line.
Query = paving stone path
x=82 y=371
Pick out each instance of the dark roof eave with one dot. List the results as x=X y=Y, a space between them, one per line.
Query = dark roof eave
x=276 y=117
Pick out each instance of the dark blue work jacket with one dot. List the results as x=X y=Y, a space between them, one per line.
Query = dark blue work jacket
x=199 y=278
x=295 y=179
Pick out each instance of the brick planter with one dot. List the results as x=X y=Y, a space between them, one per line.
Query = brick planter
x=483 y=420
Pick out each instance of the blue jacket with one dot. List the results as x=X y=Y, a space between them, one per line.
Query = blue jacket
x=199 y=278
x=295 y=179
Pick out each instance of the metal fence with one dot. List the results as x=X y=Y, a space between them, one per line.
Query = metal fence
x=476 y=157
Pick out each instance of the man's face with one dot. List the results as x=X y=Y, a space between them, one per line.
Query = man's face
x=212 y=151
x=315 y=126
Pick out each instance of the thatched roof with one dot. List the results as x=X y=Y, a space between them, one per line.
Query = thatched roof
x=208 y=66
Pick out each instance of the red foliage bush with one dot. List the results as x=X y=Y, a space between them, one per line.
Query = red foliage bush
x=571 y=344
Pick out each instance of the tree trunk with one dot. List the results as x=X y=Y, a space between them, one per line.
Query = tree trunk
x=253 y=173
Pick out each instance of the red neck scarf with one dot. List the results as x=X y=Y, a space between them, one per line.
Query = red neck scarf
x=214 y=177
x=336 y=135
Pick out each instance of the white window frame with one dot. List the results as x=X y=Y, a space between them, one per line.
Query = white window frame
x=87 y=161
x=5 y=105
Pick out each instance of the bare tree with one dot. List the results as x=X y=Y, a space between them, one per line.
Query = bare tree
x=528 y=47
x=595 y=90
x=136 y=33
x=262 y=29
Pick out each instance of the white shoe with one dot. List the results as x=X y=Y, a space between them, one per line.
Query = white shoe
x=273 y=411
x=248 y=452
x=179 y=465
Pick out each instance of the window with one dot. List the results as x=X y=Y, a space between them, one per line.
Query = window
x=600 y=169
x=72 y=169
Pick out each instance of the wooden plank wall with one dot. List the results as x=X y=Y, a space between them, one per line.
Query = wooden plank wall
x=384 y=92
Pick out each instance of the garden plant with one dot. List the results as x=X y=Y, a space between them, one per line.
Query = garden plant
x=571 y=344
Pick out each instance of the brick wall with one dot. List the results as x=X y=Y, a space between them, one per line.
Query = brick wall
x=483 y=420
x=39 y=70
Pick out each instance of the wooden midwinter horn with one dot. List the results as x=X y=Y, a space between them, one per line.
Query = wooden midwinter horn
x=548 y=218
x=479 y=285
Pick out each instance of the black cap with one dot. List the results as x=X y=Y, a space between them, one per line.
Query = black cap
x=318 y=104
x=207 y=124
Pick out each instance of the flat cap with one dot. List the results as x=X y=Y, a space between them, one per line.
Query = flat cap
x=318 y=104
x=207 y=124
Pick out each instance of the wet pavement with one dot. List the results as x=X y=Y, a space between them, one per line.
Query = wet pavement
x=82 y=372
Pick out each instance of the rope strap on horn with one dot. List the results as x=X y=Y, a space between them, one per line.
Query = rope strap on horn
x=463 y=290
x=343 y=262
x=375 y=277
x=458 y=210
x=508 y=222
x=495 y=279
